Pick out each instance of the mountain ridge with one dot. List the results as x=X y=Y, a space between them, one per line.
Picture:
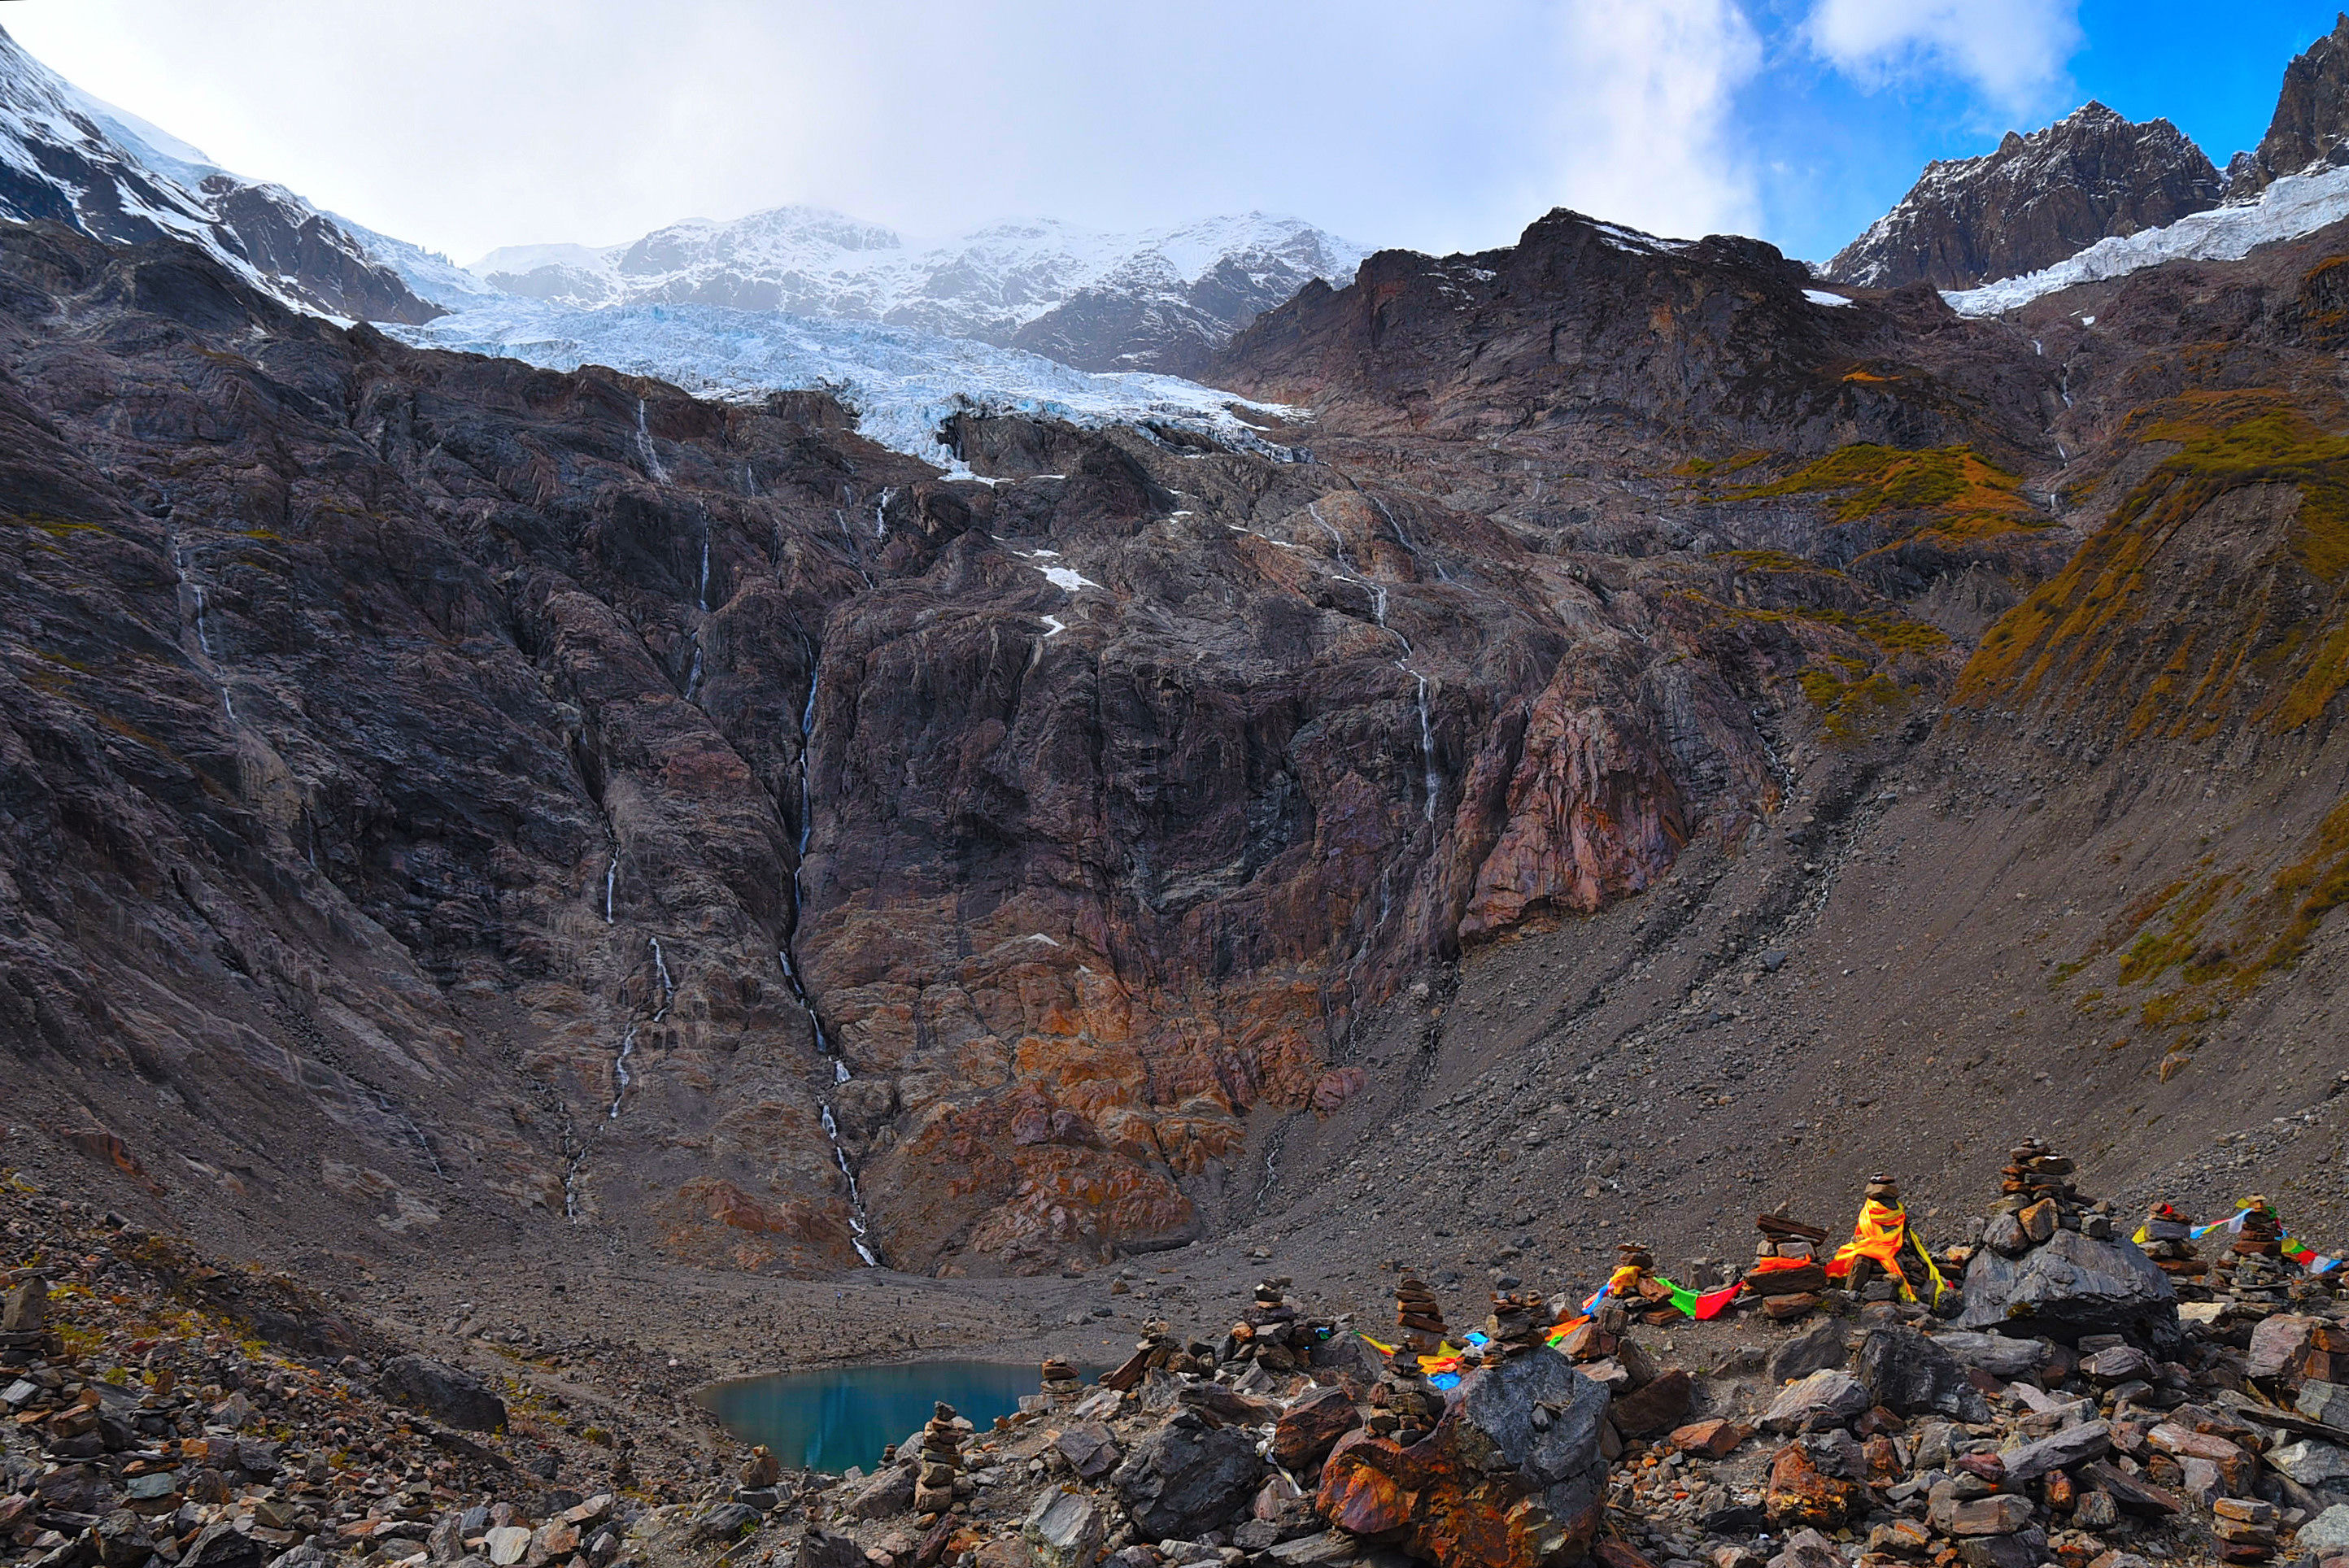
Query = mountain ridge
x=1159 y=299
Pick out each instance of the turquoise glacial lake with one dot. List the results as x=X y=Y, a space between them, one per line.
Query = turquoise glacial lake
x=843 y=1415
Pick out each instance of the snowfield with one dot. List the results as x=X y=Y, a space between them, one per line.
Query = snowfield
x=902 y=382
x=2294 y=205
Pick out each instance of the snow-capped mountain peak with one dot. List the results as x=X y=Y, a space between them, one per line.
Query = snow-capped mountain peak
x=1156 y=299
x=67 y=157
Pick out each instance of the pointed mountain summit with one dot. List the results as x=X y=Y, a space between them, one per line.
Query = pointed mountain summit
x=2311 y=127
x=2036 y=200
x=66 y=158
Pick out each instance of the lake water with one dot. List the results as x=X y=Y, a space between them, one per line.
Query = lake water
x=845 y=1415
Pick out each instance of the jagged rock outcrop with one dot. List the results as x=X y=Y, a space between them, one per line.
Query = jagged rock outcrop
x=1510 y=1478
x=2033 y=201
x=2311 y=125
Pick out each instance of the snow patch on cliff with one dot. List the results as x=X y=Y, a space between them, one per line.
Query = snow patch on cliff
x=2294 y=205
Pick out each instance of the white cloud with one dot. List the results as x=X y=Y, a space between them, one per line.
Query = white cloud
x=1643 y=114
x=2013 y=51
x=469 y=126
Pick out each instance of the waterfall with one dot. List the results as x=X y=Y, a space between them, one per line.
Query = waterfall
x=644 y=448
x=611 y=882
x=881 y=514
x=1379 y=613
x=857 y=1225
x=620 y=1072
x=202 y=619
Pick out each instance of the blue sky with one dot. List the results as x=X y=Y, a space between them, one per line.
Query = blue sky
x=1836 y=148
x=1435 y=124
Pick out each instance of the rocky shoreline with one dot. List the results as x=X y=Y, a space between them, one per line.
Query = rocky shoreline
x=167 y=1412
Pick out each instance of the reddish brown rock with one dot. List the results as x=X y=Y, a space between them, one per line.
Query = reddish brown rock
x=1510 y=1477
x=1714 y=1439
x=1306 y=1430
x=1799 y=1494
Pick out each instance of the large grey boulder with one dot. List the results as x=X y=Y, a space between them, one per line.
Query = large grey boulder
x=889 y=1492
x=2059 y=1451
x=1825 y=1344
x=2327 y=1533
x=442 y=1392
x=2003 y=1358
x=1910 y=1374
x=2072 y=1286
x=1824 y=1399
x=1512 y=1473
x=1064 y=1530
x=2311 y=1462
x=1186 y=1477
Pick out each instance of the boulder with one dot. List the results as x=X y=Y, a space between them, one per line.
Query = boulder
x=2071 y=1286
x=818 y=1549
x=442 y=1392
x=2327 y=1533
x=2060 y=1450
x=2017 y=1551
x=889 y=1492
x=1658 y=1407
x=1713 y=1439
x=1309 y=1428
x=1799 y=1493
x=1064 y=1530
x=2311 y=1462
x=1090 y=1449
x=1807 y=1549
x=2326 y=1402
x=1910 y=1374
x=2003 y=1358
x=1511 y=1477
x=1186 y=1477
x=1823 y=1399
x=1816 y=1349
x=28 y=1308
x=221 y=1545
x=2002 y=1513
x=2280 y=1344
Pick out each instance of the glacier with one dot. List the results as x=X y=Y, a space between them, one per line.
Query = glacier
x=2294 y=205
x=902 y=382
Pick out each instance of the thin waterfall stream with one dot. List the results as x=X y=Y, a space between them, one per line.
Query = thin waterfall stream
x=858 y=1228
x=1429 y=780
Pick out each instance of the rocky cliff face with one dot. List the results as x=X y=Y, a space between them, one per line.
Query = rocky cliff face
x=488 y=807
x=558 y=801
x=2033 y=201
x=2311 y=126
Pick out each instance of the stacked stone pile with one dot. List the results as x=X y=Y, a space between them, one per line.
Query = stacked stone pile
x=1271 y=1334
x=2170 y=1242
x=1418 y=1315
x=1520 y=1321
x=1787 y=1294
x=2048 y=1262
x=2037 y=1198
x=1059 y=1378
x=941 y=1459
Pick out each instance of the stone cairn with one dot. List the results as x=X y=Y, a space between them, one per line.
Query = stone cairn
x=2170 y=1242
x=1269 y=1334
x=2251 y=1264
x=1402 y=1406
x=1419 y=1317
x=1520 y=1321
x=2037 y=1199
x=1059 y=1381
x=942 y=1458
x=1787 y=1294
